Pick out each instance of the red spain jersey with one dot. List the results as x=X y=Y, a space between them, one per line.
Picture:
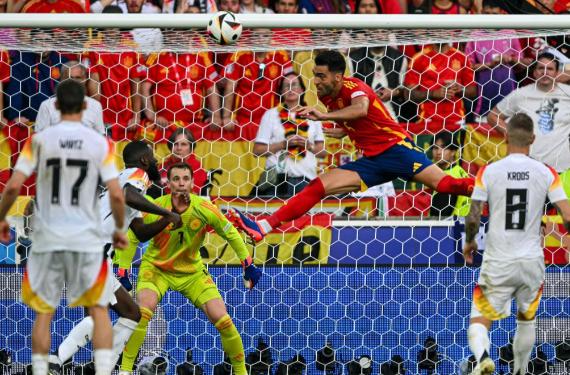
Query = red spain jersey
x=257 y=83
x=116 y=72
x=432 y=70
x=53 y=6
x=179 y=84
x=376 y=132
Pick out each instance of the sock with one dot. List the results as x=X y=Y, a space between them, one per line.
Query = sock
x=456 y=186
x=298 y=204
x=40 y=364
x=232 y=344
x=523 y=344
x=135 y=341
x=103 y=359
x=478 y=337
x=122 y=331
x=77 y=338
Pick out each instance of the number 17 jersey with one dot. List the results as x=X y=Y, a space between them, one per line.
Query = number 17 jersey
x=516 y=189
x=68 y=159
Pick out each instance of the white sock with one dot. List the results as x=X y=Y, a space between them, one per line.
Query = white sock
x=122 y=331
x=103 y=361
x=478 y=336
x=40 y=364
x=523 y=344
x=77 y=338
x=264 y=224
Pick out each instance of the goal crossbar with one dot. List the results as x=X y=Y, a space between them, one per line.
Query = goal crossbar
x=312 y=21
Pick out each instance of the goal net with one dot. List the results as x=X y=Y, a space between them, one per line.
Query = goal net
x=376 y=273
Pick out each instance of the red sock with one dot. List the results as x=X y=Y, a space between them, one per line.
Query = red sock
x=456 y=186
x=299 y=204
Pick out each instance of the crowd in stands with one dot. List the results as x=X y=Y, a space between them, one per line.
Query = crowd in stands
x=177 y=101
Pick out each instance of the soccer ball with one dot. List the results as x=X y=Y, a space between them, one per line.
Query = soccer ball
x=224 y=28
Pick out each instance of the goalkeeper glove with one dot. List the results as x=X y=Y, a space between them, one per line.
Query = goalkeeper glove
x=251 y=274
x=124 y=279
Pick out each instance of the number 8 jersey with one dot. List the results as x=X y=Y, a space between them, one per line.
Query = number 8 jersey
x=68 y=159
x=516 y=189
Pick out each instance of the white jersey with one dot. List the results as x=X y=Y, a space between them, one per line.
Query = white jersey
x=48 y=115
x=516 y=188
x=138 y=179
x=69 y=158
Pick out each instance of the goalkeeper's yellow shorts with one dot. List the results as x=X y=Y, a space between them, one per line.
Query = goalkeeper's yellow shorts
x=198 y=287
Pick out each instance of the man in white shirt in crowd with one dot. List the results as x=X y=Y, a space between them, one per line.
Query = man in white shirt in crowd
x=547 y=102
x=92 y=117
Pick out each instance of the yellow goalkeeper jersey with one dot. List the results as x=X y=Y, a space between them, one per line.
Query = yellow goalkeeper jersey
x=178 y=250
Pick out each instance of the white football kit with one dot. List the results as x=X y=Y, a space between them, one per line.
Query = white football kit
x=138 y=179
x=67 y=233
x=516 y=189
x=92 y=116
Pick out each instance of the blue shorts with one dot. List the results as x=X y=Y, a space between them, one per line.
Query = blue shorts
x=403 y=160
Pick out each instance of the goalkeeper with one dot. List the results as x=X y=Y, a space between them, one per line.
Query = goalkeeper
x=172 y=261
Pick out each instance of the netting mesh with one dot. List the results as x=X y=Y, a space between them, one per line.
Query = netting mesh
x=196 y=40
x=375 y=273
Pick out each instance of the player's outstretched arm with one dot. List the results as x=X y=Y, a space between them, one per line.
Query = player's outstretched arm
x=563 y=208
x=9 y=196
x=136 y=200
x=472 y=222
x=225 y=229
x=145 y=232
x=358 y=108
x=117 y=200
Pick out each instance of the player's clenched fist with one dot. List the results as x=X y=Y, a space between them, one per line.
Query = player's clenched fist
x=251 y=274
x=4 y=231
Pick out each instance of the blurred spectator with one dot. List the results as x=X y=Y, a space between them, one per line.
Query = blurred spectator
x=114 y=80
x=288 y=35
x=181 y=145
x=383 y=69
x=446 y=7
x=439 y=6
x=3 y=6
x=439 y=78
x=48 y=115
x=376 y=6
x=547 y=102
x=230 y=5
x=46 y=6
x=189 y=6
x=251 y=89
x=445 y=155
x=287 y=6
x=174 y=89
x=493 y=62
x=323 y=6
x=291 y=144
x=148 y=39
x=253 y=6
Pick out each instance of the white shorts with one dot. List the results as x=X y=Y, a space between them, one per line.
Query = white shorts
x=500 y=282
x=116 y=284
x=87 y=276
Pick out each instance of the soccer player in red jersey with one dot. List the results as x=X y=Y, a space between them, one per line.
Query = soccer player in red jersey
x=388 y=150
